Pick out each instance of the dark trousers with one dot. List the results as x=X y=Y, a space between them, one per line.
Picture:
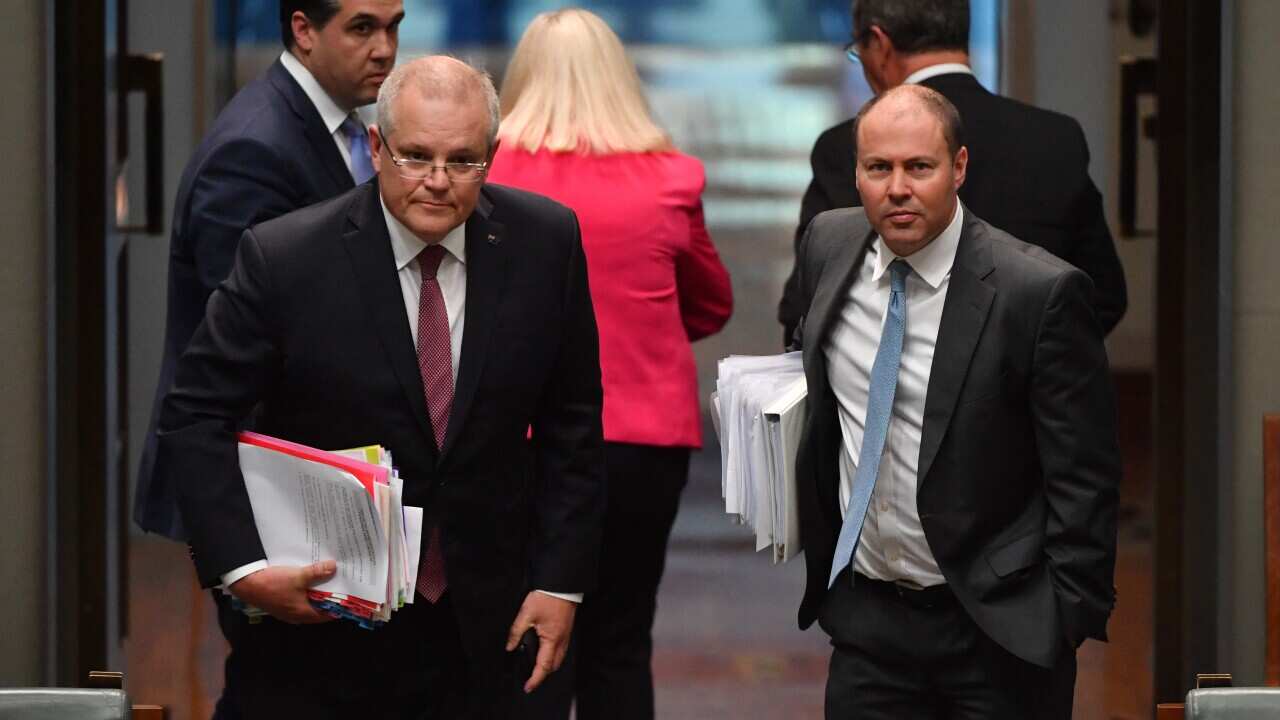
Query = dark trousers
x=412 y=668
x=904 y=654
x=608 y=666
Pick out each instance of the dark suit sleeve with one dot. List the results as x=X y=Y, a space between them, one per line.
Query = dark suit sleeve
x=1095 y=251
x=242 y=182
x=569 y=446
x=801 y=285
x=1073 y=406
x=231 y=361
x=833 y=164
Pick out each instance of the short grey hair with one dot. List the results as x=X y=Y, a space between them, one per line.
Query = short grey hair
x=436 y=76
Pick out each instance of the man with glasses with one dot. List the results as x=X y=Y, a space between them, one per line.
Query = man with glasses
x=288 y=139
x=1029 y=168
x=447 y=320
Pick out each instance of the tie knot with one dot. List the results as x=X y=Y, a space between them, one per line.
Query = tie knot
x=429 y=260
x=351 y=127
x=898 y=271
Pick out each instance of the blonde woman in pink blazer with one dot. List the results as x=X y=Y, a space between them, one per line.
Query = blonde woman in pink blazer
x=576 y=128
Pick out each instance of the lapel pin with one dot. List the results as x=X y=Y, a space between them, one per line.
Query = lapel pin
x=493 y=239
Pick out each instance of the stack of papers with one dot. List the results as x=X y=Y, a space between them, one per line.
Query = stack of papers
x=311 y=505
x=758 y=412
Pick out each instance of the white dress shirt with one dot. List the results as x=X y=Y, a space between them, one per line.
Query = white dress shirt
x=330 y=113
x=893 y=546
x=452 y=277
x=925 y=73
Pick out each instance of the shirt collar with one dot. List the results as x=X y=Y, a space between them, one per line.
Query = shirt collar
x=406 y=246
x=933 y=261
x=330 y=113
x=925 y=73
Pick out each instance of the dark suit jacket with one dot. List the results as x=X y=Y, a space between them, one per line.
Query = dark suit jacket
x=267 y=154
x=1019 y=464
x=1028 y=175
x=311 y=328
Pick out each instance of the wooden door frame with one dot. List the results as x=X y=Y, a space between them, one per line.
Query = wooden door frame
x=1191 y=408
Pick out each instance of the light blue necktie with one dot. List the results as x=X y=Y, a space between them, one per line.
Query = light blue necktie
x=358 y=143
x=884 y=382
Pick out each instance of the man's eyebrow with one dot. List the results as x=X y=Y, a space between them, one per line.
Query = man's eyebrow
x=370 y=17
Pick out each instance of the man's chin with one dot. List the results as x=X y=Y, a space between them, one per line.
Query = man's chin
x=903 y=245
x=435 y=227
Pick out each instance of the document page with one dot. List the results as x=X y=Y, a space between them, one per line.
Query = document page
x=308 y=511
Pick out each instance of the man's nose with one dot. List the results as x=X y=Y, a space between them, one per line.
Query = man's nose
x=899 y=184
x=436 y=178
x=384 y=45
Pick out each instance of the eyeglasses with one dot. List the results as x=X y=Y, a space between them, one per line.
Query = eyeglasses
x=412 y=169
x=851 y=50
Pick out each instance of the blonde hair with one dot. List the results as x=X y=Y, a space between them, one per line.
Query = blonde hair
x=571 y=88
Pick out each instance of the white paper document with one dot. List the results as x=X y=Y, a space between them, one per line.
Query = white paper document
x=307 y=511
x=759 y=411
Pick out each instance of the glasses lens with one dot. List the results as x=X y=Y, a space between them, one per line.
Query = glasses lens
x=457 y=172
x=464 y=172
x=411 y=169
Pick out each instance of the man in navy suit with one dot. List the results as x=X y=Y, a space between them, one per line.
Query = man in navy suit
x=287 y=140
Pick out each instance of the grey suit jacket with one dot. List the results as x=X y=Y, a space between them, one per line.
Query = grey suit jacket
x=1019 y=463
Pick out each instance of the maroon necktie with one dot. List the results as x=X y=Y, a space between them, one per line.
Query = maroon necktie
x=435 y=364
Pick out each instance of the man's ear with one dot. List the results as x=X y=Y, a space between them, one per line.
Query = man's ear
x=301 y=26
x=879 y=46
x=375 y=147
x=493 y=152
x=960 y=167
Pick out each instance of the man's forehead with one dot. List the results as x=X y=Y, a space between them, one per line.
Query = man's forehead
x=902 y=123
x=420 y=117
x=376 y=8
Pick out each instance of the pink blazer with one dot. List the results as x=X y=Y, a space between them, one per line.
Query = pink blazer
x=656 y=280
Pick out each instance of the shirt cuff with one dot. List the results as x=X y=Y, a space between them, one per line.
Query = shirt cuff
x=242 y=572
x=571 y=597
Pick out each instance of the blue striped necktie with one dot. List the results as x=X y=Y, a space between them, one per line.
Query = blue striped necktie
x=358 y=144
x=884 y=383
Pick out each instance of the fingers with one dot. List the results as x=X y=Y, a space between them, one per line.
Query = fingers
x=542 y=667
x=518 y=627
x=561 y=647
x=310 y=616
x=316 y=573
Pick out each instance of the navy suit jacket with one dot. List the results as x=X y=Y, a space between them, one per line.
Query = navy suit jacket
x=267 y=154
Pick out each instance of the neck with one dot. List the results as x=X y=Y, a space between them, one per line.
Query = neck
x=909 y=64
x=304 y=59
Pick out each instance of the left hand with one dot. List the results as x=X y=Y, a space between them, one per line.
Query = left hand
x=552 y=619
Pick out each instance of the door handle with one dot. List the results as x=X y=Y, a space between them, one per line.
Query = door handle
x=1137 y=78
x=144 y=74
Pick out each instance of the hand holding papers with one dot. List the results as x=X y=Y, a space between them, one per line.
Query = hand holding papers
x=310 y=505
x=758 y=411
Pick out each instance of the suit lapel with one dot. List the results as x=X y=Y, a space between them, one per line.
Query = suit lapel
x=964 y=314
x=368 y=245
x=486 y=281
x=838 y=274
x=320 y=139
